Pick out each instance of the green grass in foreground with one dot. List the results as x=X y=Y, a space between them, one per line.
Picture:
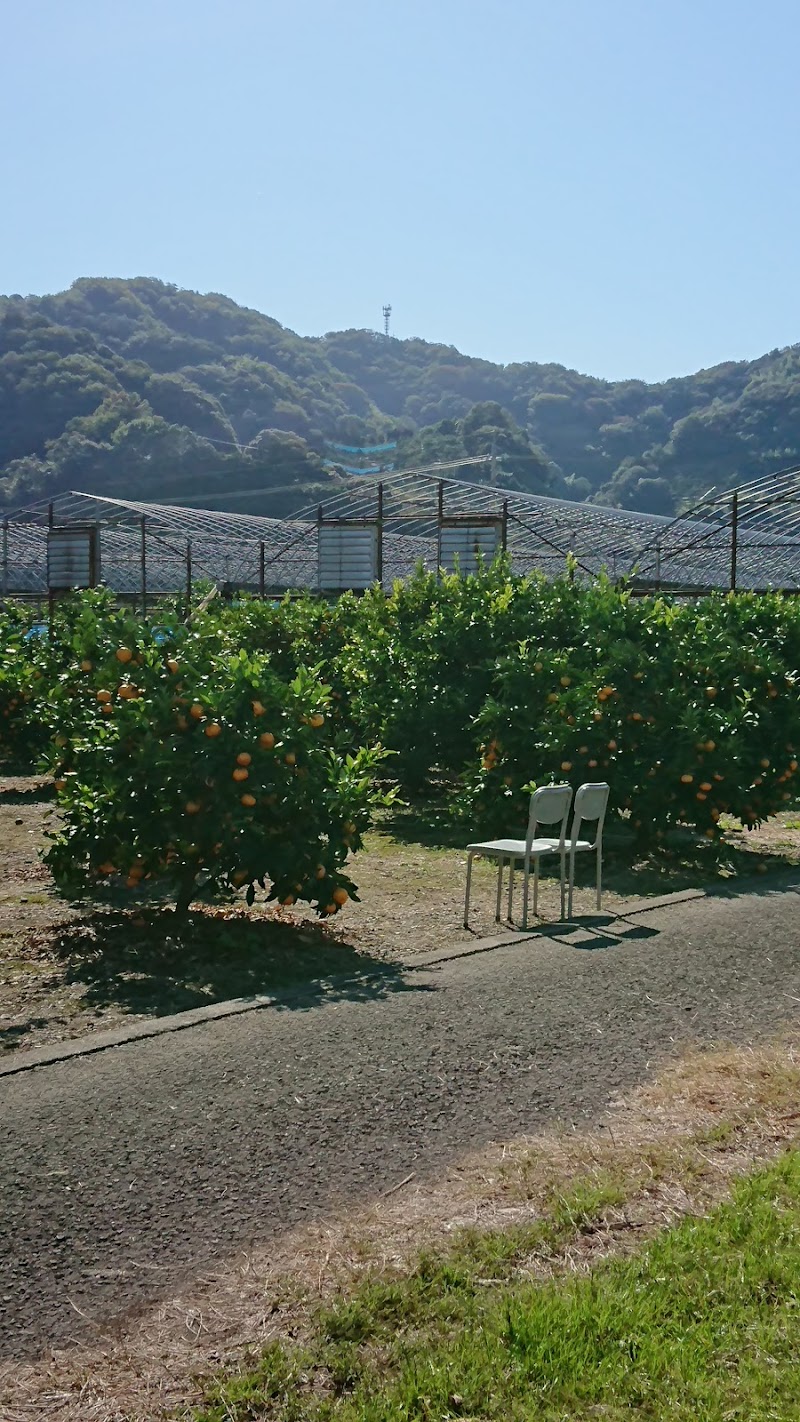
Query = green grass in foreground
x=702 y=1323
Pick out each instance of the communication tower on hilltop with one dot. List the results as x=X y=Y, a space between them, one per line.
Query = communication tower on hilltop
x=387 y=313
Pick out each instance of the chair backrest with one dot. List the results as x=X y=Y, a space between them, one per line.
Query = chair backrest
x=549 y=805
x=591 y=802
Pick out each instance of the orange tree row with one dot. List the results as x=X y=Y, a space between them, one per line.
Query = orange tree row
x=493 y=682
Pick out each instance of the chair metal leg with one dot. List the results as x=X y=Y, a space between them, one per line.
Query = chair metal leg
x=536 y=885
x=525 y=886
x=499 y=889
x=571 y=883
x=466 y=896
x=599 y=877
x=509 y=918
x=563 y=883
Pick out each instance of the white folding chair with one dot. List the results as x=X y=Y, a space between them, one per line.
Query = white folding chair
x=591 y=802
x=548 y=806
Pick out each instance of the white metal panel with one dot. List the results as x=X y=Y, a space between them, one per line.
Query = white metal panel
x=348 y=556
x=466 y=541
x=70 y=558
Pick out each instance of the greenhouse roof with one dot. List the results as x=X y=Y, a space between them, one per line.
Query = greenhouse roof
x=750 y=535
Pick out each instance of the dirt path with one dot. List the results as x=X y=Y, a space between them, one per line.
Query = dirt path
x=124 y=1172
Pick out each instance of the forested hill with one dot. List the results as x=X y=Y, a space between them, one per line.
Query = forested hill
x=138 y=388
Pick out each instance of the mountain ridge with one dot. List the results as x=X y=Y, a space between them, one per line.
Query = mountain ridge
x=136 y=386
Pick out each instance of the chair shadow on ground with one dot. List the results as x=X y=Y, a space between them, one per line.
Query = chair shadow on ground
x=587 y=933
x=152 y=963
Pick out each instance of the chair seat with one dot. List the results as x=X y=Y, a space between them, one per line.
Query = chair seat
x=579 y=844
x=513 y=848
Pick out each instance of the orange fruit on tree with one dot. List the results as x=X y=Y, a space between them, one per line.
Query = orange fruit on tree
x=107 y=709
x=700 y=795
x=288 y=901
x=172 y=666
x=212 y=730
x=686 y=778
x=248 y=801
x=197 y=711
x=60 y=784
x=711 y=692
x=340 y=896
x=86 y=665
x=566 y=765
x=290 y=758
x=104 y=696
x=538 y=666
x=258 y=709
x=710 y=746
x=240 y=773
x=266 y=740
x=243 y=758
x=612 y=745
x=321 y=871
x=566 y=680
x=591 y=764
x=192 y=807
x=706 y=785
x=552 y=697
x=331 y=908
x=124 y=654
x=317 y=720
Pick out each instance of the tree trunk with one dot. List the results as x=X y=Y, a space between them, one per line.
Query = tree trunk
x=185 y=896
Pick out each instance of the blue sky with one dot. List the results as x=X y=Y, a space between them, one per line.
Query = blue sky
x=608 y=185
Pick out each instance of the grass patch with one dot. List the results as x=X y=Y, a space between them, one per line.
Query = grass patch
x=703 y=1322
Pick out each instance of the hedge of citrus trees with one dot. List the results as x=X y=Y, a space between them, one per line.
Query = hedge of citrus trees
x=476 y=687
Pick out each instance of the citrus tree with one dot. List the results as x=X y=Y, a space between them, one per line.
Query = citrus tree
x=183 y=768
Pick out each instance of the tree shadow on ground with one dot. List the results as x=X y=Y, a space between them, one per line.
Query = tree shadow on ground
x=155 y=964
x=27 y=794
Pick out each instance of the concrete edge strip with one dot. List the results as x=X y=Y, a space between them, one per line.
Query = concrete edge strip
x=235 y=1007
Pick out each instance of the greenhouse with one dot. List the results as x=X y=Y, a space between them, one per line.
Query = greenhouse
x=379 y=529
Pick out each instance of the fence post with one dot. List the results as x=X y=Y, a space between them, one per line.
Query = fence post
x=188 y=579
x=144 y=567
x=379 y=553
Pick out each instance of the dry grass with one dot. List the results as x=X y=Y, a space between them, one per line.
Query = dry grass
x=670 y=1149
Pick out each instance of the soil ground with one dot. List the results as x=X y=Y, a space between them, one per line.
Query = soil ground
x=66 y=971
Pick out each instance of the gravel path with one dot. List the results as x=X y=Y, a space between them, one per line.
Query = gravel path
x=122 y=1172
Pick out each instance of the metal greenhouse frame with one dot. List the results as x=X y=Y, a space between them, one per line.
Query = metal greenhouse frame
x=380 y=529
